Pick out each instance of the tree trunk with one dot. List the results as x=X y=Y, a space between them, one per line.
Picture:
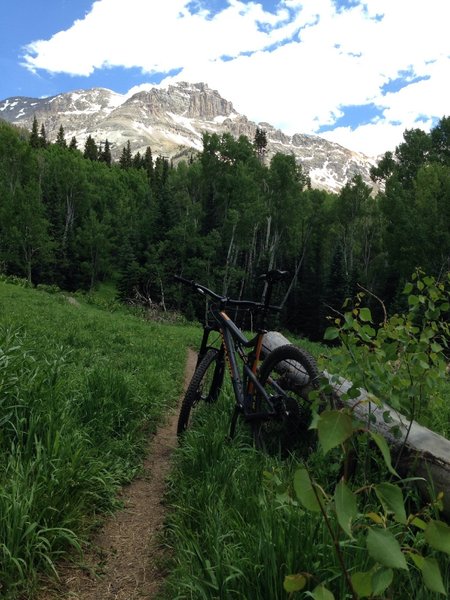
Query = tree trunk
x=70 y=214
x=420 y=451
x=297 y=270
x=227 y=262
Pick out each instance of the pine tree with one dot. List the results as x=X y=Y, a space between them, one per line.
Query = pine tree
x=34 y=136
x=129 y=275
x=137 y=160
x=73 y=143
x=338 y=288
x=60 y=138
x=260 y=143
x=148 y=162
x=43 y=137
x=90 y=149
x=105 y=154
x=126 y=160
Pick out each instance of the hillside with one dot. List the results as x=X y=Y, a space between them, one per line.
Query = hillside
x=82 y=388
x=75 y=220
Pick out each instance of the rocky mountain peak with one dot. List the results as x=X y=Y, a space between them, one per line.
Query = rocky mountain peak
x=171 y=121
x=194 y=101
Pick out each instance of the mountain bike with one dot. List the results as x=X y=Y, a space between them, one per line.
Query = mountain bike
x=272 y=394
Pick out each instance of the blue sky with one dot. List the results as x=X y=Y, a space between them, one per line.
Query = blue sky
x=358 y=72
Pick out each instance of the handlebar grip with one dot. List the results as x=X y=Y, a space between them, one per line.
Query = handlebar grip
x=198 y=287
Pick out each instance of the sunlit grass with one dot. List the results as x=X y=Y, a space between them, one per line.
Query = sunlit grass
x=80 y=390
x=235 y=526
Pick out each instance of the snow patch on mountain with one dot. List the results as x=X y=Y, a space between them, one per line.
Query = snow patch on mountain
x=173 y=118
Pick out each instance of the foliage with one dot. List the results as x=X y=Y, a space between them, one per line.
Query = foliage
x=404 y=361
x=245 y=525
x=374 y=518
x=386 y=544
x=76 y=219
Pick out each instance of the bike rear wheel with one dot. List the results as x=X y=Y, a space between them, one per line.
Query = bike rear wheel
x=288 y=375
x=205 y=386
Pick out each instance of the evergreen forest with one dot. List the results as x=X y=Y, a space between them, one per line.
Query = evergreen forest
x=73 y=218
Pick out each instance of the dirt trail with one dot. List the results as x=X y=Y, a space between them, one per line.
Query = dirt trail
x=125 y=557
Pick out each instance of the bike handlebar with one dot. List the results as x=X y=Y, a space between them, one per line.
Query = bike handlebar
x=224 y=300
x=198 y=287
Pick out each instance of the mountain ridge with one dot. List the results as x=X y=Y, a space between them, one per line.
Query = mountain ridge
x=171 y=121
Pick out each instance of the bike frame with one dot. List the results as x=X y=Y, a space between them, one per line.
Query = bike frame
x=233 y=342
x=245 y=385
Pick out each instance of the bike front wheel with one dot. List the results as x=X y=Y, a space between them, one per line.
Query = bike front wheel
x=205 y=386
x=288 y=374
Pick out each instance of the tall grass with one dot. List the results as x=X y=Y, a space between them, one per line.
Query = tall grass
x=235 y=531
x=80 y=390
x=235 y=527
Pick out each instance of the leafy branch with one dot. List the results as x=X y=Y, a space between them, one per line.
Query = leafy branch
x=405 y=354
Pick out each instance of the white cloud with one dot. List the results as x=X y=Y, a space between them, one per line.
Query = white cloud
x=325 y=59
x=156 y=36
x=372 y=139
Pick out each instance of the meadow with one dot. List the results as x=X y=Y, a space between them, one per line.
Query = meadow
x=83 y=384
x=82 y=387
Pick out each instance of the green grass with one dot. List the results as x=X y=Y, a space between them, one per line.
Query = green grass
x=81 y=389
x=236 y=529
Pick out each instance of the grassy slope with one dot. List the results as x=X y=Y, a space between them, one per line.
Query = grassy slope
x=236 y=529
x=80 y=389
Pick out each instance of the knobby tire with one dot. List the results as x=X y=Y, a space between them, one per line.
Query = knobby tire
x=205 y=386
x=288 y=374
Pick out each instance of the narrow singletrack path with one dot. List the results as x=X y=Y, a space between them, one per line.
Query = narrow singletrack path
x=125 y=560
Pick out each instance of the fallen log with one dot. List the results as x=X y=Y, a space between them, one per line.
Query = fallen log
x=424 y=453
